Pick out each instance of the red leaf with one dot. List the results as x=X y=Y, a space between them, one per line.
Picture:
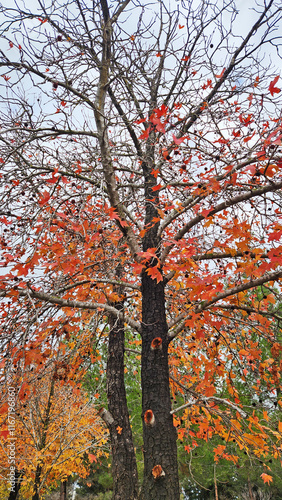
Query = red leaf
x=256 y=81
x=206 y=211
x=145 y=134
x=180 y=140
x=155 y=172
x=137 y=268
x=157 y=187
x=5 y=434
x=142 y=120
x=45 y=196
x=272 y=89
x=276 y=236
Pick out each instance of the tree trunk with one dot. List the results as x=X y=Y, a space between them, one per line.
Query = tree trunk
x=160 y=450
x=45 y=423
x=14 y=493
x=250 y=489
x=36 y=483
x=215 y=482
x=124 y=467
x=63 y=490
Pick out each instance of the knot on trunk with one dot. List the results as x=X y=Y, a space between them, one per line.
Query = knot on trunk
x=158 y=472
x=106 y=416
x=156 y=344
x=149 y=418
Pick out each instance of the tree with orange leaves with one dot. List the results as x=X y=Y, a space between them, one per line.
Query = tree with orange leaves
x=142 y=183
x=52 y=427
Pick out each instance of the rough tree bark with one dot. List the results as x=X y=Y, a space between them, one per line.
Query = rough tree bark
x=63 y=490
x=160 y=483
x=160 y=451
x=124 y=467
x=36 y=485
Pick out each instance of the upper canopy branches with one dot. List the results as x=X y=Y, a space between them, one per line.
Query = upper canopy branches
x=131 y=134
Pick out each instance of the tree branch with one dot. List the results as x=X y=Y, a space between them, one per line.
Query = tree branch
x=58 y=301
x=222 y=206
x=223 y=295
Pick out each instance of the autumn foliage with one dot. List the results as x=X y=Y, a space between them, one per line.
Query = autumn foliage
x=53 y=426
x=142 y=195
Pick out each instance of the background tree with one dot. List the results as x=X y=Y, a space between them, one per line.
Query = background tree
x=55 y=428
x=142 y=181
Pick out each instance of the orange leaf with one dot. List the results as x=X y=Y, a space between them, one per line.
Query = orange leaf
x=92 y=458
x=119 y=429
x=266 y=478
x=256 y=81
x=155 y=273
x=138 y=267
x=221 y=74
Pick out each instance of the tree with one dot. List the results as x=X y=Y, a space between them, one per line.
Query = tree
x=54 y=427
x=142 y=180
x=202 y=475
